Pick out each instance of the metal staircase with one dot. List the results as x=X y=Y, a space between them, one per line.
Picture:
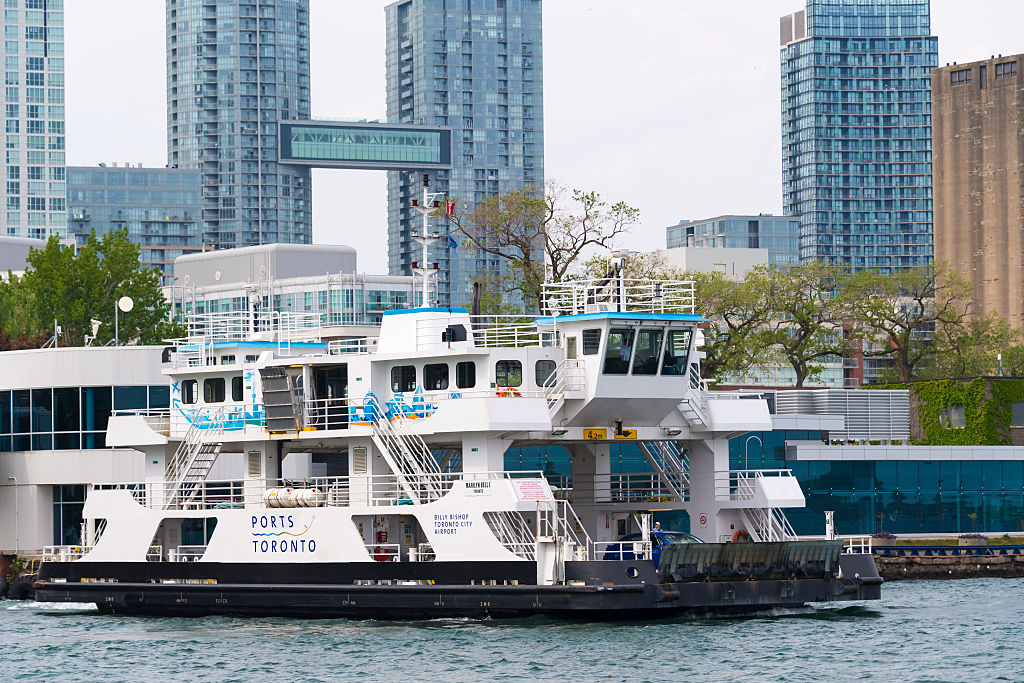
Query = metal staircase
x=767 y=524
x=568 y=377
x=672 y=464
x=408 y=456
x=513 y=532
x=281 y=401
x=191 y=463
x=694 y=405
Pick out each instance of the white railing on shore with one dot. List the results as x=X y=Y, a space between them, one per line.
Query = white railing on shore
x=597 y=295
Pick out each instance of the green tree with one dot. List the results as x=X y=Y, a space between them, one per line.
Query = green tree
x=972 y=349
x=738 y=313
x=898 y=314
x=74 y=289
x=19 y=326
x=541 y=235
x=804 y=326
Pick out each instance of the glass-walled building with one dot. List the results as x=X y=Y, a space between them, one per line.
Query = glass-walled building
x=856 y=131
x=159 y=206
x=780 y=235
x=475 y=66
x=234 y=69
x=33 y=172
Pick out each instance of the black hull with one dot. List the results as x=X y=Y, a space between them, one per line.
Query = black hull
x=321 y=591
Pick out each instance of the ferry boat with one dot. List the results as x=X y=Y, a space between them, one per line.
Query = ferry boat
x=419 y=517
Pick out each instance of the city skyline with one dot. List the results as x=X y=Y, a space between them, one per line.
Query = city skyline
x=626 y=144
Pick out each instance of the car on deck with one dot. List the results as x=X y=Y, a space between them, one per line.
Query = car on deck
x=626 y=550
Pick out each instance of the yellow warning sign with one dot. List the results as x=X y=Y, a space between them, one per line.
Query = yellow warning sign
x=595 y=434
x=627 y=434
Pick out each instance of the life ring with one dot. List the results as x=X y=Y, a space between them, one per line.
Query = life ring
x=741 y=536
x=508 y=391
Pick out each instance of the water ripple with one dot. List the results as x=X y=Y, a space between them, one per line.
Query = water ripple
x=920 y=631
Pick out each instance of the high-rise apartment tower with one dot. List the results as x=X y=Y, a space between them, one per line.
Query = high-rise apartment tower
x=234 y=69
x=856 y=131
x=474 y=66
x=33 y=172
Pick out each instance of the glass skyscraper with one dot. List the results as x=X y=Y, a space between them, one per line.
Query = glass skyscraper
x=856 y=130
x=234 y=69
x=33 y=173
x=778 y=234
x=474 y=66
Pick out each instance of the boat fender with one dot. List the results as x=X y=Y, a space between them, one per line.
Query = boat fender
x=741 y=536
x=3 y=586
x=22 y=589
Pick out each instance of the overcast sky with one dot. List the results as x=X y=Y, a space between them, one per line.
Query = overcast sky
x=670 y=105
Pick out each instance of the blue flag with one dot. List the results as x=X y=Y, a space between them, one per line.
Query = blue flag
x=452 y=244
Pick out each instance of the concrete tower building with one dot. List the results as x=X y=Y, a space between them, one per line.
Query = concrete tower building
x=856 y=130
x=978 y=110
x=33 y=175
x=234 y=69
x=475 y=67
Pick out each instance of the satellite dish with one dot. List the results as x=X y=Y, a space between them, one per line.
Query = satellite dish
x=125 y=303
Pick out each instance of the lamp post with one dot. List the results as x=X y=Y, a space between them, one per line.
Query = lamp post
x=125 y=303
x=17 y=516
x=746 y=449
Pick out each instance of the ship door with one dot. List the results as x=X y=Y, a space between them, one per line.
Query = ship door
x=330 y=396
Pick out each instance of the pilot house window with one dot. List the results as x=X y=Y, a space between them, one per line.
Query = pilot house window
x=677 y=350
x=648 y=350
x=618 y=351
x=591 y=342
x=403 y=378
x=213 y=390
x=189 y=391
x=465 y=375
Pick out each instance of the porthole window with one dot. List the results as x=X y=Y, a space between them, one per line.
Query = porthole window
x=189 y=391
x=403 y=378
x=213 y=390
x=508 y=373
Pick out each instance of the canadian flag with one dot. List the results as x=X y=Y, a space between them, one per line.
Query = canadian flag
x=449 y=208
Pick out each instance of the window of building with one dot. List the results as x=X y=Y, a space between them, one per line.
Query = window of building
x=983 y=76
x=545 y=373
x=591 y=342
x=465 y=375
x=68 y=502
x=236 y=388
x=952 y=417
x=618 y=351
x=189 y=391
x=677 y=351
x=508 y=373
x=648 y=352
x=1018 y=415
x=963 y=76
x=213 y=390
x=435 y=376
x=403 y=378
x=1006 y=70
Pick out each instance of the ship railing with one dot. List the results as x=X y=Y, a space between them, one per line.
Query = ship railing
x=157 y=419
x=855 y=545
x=620 y=487
x=492 y=331
x=622 y=550
x=64 y=553
x=600 y=295
x=385 y=552
x=186 y=553
x=424 y=552
x=379 y=490
x=155 y=553
x=341 y=347
x=740 y=484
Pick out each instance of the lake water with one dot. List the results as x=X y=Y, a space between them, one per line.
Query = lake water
x=919 y=631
